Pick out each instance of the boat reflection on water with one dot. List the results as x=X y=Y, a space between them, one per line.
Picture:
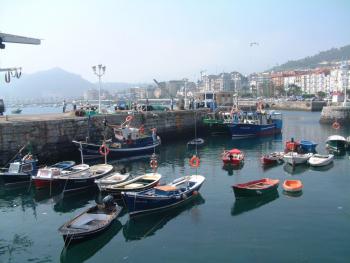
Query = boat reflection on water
x=322 y=168
x=11 y=198
x=293 y=194
x=81 y=252
x=70 y=202
x=297 y=169
x=246 y=204
x=231 y=168
x=139 y=227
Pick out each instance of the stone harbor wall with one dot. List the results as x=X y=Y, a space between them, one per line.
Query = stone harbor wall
x=51 y=136
x=299 y=105
x=330 y=114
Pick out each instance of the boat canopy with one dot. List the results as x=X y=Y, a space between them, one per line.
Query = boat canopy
x=235 y=151
x=336 y=138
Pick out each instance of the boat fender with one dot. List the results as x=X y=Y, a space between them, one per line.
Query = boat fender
x=184 y=196
x=103 y=150
x=336 y=125
x=153 y=163
x=195 y=193
x=194 y=161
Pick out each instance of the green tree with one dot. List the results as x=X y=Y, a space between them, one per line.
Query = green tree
x=321 y=94
x=294 y=90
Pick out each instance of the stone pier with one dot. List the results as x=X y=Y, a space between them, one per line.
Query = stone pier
x=331 y=114
x=51 y=135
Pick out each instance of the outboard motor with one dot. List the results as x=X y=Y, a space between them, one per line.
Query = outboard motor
x=108 y=201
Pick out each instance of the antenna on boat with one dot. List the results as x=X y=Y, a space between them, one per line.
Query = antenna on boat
x=81 y=152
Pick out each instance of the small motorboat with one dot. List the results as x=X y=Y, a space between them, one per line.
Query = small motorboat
x=272 y=158
x=113 y=178
x=336 y=143
x=308 y=146
x=195 y=142
x=164 y=196
x=91 y=222
x=292 y=186
x=136 y=184
x=20 y=171
x=49 y=176
x=84 y=180
x=294 y=158
x=234 y=157
x=321 y=160
x=256 y=188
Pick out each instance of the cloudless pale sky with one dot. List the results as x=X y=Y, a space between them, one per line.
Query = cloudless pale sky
x=141 y=40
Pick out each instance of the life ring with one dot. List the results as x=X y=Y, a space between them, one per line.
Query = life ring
x=103 y=150
x=194 y=161
x=153 y=163
x=129 y=118
x=336 y=125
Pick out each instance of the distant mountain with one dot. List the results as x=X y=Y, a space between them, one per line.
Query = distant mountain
x=334 y=54
x=54 y=82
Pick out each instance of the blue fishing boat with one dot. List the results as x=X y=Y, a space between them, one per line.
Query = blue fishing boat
x=308 y=146
x=127 y=141
x=164 y=196
x=20 y=171
x=255 y=124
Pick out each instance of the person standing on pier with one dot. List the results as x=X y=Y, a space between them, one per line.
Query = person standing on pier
x=64 y=106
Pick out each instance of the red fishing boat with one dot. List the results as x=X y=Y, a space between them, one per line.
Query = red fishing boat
x=272 y=158
x=234 y=157
x=256 y=188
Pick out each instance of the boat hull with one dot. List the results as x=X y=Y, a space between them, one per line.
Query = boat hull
x=15 y=178
x=91 y=150
x=245 y=130
x=139 y=204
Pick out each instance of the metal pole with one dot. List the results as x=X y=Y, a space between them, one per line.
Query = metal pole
x=99 y=90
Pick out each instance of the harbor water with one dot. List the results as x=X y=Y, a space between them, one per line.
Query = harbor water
x=311 y=227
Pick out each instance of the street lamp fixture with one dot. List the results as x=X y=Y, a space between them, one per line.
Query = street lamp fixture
x=99 y=71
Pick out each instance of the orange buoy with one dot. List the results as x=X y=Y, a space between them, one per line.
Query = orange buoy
x=103 y=150
x=129 y=118
x=292 y=185
x=194 y=161
x=336 y=125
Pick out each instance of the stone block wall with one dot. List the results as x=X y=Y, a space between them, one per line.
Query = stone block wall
x=52 y=139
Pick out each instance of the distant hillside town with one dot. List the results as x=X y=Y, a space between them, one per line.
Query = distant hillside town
x=320 y=82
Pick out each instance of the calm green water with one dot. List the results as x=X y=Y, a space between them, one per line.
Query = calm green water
x=313 y=227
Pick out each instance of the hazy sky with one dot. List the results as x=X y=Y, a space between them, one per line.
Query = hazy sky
x=142 y=40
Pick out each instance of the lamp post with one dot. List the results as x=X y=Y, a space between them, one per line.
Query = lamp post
x=99 y=71
x=186 y=105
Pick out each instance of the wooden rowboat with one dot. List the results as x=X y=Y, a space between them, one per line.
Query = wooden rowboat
x=91 y=222
x=255 y=188
x=292 y=185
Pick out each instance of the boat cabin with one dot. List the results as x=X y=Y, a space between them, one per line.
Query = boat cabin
x=22 y=167
x=127 y=133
